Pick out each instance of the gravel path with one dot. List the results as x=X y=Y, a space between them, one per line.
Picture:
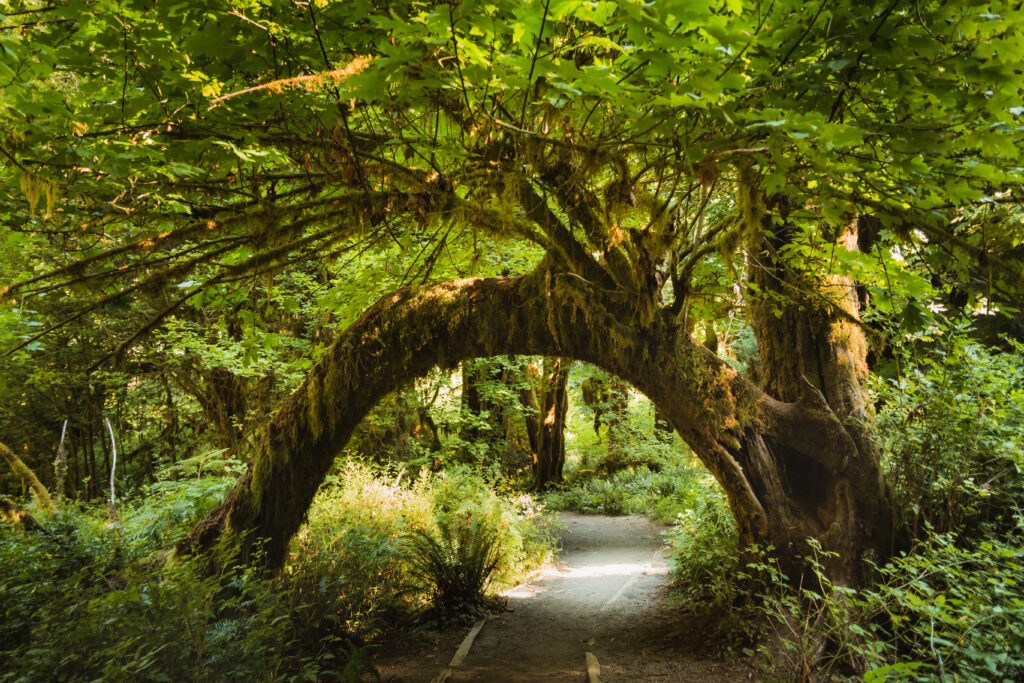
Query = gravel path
x=606 y=595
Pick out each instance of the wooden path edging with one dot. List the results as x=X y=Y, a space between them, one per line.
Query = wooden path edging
x=461 y=653
x=593 y=668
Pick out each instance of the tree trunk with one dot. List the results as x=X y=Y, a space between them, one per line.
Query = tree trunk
x=25 y=473
x=752 y=443
x=813 y=351
x=618 y=437
x=546 y=428
x=224 y=402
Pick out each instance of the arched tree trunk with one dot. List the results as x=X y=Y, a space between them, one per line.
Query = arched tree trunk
x=738 y=431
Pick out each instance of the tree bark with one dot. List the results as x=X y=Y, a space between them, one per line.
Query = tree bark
x=546 y=428
x=739 y=432
x=813 y=351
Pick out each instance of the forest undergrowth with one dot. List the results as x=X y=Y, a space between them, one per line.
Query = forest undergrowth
x=93 y=599
x=406 y=546
x=949 y=606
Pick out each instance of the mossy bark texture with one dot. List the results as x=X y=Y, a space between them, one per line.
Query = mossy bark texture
x=546 y=428
x=39 y=491
x=757 y=445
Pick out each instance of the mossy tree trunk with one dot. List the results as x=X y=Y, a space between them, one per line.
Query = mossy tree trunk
x=25 y=473
x=814 y=355
x=618 y=425
x=546 y=427
x=756 y=445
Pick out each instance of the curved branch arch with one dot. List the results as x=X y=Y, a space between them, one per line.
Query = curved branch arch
x=721 y=415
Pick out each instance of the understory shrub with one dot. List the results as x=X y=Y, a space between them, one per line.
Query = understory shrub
x=661 y=494
x=89 y=600
x=354 y=543
x=86 y=606
x=939 y=613
x=704 y=559
x=952 y=431
x=457 y=564
x=948 y=612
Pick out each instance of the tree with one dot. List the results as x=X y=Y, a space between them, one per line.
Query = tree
x=806 y=151
x=548 y=397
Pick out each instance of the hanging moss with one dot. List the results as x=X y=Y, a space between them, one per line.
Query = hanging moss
x=549 y=312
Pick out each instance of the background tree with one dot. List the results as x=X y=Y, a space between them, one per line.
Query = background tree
x=545 y=426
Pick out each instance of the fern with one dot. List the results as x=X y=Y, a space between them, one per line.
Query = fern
x=457 y=565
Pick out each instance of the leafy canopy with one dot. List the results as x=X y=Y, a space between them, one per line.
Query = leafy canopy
x=172 y=149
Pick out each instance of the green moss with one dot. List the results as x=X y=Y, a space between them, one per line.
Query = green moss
x=314 y=402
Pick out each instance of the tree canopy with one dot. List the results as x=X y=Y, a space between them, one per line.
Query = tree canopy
x=174 y=149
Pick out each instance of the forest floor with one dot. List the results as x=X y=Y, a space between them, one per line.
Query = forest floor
x=606 y=595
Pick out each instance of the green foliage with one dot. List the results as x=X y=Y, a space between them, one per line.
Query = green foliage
x=184 y=493
x=156 y=161
x=88 y=602
x=813 y=628
x=631 y=491
x=950 y=420
x=654 y=474
x=955 y=613
x=704 y=559
x=84 y=605
x=939 y=613
x=457 y=564
x=354 y=547
x=952 y=429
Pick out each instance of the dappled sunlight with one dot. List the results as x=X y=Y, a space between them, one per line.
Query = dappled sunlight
x=548 y=579
x=591 y=571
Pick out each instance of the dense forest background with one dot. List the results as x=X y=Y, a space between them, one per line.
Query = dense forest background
x=309 y=311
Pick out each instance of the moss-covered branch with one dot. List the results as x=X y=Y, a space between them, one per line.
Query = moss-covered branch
x=410 y=331
x=42 y=496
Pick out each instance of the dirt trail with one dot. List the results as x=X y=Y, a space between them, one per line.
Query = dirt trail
x=606 y=596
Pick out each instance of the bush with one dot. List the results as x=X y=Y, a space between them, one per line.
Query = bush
x=661 y=494
x=948 y=612
x=457 y=565
x=704 y=561
x=354 y=545
x=939 y=613
x=184 y=493
x=89 y=602
x=83 y=606
x=952 y=430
